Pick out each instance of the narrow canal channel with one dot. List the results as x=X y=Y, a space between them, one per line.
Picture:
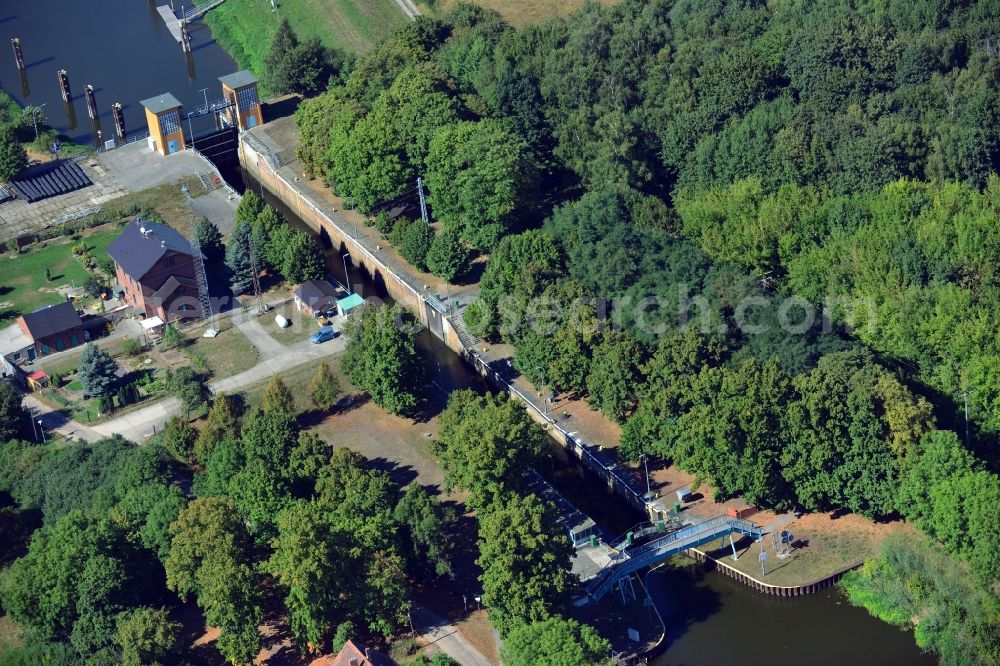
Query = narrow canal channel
x=711 y=619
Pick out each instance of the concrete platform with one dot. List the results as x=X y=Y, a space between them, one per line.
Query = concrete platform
x=173 y=24
x=18 y=217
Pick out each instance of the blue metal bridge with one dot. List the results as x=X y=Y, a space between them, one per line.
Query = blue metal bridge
x=628 y=559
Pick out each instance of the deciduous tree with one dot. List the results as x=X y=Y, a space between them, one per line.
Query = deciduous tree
x=381 y=357
x=554 y=642
x=525 y=560
x=486 y=444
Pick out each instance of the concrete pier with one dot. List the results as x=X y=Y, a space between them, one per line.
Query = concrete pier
x=173 y=23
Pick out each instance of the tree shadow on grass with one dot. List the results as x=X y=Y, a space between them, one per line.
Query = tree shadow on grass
x=401 y=475
x=348 y=403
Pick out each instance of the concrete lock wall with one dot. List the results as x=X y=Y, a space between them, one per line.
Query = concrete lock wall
x=316 y=219
x=441 y=326
x=258 y=165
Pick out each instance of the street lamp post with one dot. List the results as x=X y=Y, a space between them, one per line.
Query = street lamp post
x=347 y=278
x=41 y=428
x=645 y=465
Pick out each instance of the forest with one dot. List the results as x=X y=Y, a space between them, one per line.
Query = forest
x=812 y=183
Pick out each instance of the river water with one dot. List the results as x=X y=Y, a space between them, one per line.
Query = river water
x=121 y=47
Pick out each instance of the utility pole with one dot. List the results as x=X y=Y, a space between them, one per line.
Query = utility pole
x=347 y=277
x=41 y=429
x=423 y=201
x=645 y=464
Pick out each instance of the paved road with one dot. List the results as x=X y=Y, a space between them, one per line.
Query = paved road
x=266 y=346
x=433 y=629
x=139 y=425
x=56 y=421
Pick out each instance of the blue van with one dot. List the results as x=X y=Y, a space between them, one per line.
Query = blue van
x=324 y=334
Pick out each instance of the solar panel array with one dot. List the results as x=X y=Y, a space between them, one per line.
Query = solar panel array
x=49 y=180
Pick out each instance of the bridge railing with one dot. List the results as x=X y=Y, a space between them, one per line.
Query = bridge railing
x=656 y=550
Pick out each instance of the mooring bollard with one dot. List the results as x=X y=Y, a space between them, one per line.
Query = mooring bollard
x=119 y=116
x=64 y=85
x=18 y=56
x=91 y=101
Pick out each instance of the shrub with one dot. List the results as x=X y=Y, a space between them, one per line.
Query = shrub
x=131 y=346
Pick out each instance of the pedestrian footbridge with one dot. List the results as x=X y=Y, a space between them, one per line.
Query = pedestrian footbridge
x=626 y=558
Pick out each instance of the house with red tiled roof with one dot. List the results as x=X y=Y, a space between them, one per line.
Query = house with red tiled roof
x=354 y=654
x=154 y=267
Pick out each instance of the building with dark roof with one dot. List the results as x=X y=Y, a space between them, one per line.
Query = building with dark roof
x=315 y=297
x=163 y=117
x=52 y=329
x=240 y=88
x=154 y=266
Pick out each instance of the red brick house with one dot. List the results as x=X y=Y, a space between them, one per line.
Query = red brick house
x=154 y=267
x=354 y=654
x=51 y=329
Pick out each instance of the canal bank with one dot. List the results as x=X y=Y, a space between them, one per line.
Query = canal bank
x=267 y=157
x=698 y=608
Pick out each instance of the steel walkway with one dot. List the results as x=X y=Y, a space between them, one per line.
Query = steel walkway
x=630 y=559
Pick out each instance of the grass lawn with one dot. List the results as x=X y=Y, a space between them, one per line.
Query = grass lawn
x=244 y=28
x=302 y=326
x=68 y=361
x=226 y=354
x=519 y=12
x=23 y=287
x=169 y=202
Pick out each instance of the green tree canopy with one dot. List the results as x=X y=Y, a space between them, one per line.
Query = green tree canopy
x=209 y=558
x=98 y=372
x=554 y=642
x=449 y=257
x=14 y=418
x=381 y=357
x=189 y=387
x=238 y=255
x=210 y=242
x=303 y=259
x=147 y=636
x=485 y=445
x=481 y=179
x=324 y=388
x=525 y=560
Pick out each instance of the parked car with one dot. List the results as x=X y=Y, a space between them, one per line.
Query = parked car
x=324 y=334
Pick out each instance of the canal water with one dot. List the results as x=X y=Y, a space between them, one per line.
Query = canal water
x=121 y=47
x=711 y=619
